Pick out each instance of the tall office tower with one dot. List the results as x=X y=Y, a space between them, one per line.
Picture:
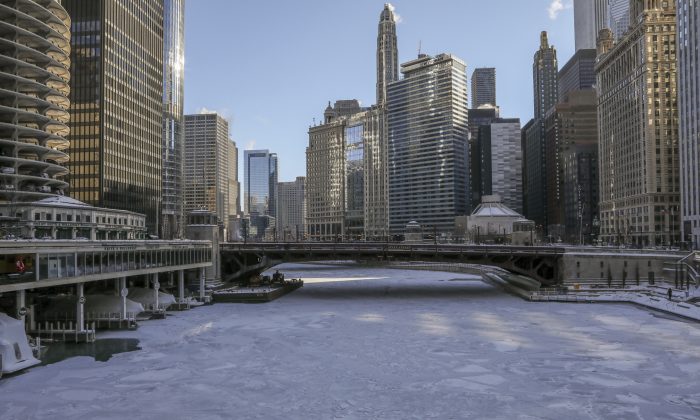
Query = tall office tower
x=172 y=215
x=501 y=158
x=261 y=171
x=578 y=73
x=689 y=115
x=34 y=81
x=206 y=165
x=428 y=151
x=584 y=24
x=234 y=187
x=116 y=124
x=345 y=185
x=483 y=87
x=638 y=129
x=619 y=17
x=577 y=122
x=387 y=53
x=479 y=117
x=545 y=80
x=545 y=88
x=291 y=210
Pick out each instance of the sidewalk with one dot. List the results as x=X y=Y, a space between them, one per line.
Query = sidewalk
x=647 y=297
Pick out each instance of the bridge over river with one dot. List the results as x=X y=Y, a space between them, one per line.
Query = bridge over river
x=550 y=265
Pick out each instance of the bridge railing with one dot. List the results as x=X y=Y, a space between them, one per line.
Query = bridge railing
x=389 y=247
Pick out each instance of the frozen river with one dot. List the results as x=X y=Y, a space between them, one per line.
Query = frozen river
x=381 y=344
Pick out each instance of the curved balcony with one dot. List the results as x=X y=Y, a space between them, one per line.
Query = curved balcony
x=34 y=77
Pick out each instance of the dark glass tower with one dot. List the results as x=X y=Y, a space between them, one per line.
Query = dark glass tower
x=116 y=126
x=545 y=89
x=173 y=132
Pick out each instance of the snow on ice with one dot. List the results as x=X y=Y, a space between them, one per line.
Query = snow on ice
x=360 y=343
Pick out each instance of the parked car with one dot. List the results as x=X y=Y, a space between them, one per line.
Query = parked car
x=7 y=170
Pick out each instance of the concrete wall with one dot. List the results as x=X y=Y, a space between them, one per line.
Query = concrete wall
x=588 y=268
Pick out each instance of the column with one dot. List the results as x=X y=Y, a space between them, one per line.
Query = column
x=123 y=292
x=80 y=308
x=156 y=287
x=21 y=304
x=181 y=285
x=202 y=278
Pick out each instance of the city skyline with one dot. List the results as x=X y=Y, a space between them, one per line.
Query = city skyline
x=267 y=111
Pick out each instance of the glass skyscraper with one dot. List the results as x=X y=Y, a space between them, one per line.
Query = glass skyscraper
x=428 y=152
x=173 y=130
x=260 y=182
x=116 y=124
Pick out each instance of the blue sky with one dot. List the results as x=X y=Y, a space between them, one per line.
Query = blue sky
x=271 y=67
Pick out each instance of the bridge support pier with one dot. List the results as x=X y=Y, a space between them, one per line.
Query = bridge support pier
x=156 y=287
x=202 y=278
x=80 y=307
x=123 y=292
x=21 y=304
x=181 y=285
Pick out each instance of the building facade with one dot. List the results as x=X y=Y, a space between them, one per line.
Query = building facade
x=291 y=210
x=234 y=186
x=261 y=172
x=689 y=118
x=34 y=115
x=577 y=74
x=387 y=53
x=172 y=215
x=545 y=92
x=482 y=116
x=619 y=17
x=483 y=87
x=206 y=165
x=501 y=162
x=428 y=150
x=116 y=112
x=638 y=130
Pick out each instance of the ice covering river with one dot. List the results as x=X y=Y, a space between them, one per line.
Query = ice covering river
x=358 y=343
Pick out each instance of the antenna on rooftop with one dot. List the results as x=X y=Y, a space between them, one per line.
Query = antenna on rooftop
x=419 y=47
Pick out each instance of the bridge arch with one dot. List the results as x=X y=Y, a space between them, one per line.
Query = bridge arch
x=242 y=259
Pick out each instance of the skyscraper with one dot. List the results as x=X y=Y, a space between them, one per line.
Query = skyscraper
x=234 y=186
x=428 y=152
x=34 y=116
x=545 y=89
x=578 y=73
x=260 y=172
x=638 y=128
x=483 y=87
x=387 y=53
x=206 y=165
x=116 y=125
x=173 y=130
x=619 y=17
x=545 y=68
x=584 y=23
x=291 y=209
x=501 y=162
x=689 y=115
x=478 y=118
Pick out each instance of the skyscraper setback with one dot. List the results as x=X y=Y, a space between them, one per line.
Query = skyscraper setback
x=173 y=105
x=116 y=125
